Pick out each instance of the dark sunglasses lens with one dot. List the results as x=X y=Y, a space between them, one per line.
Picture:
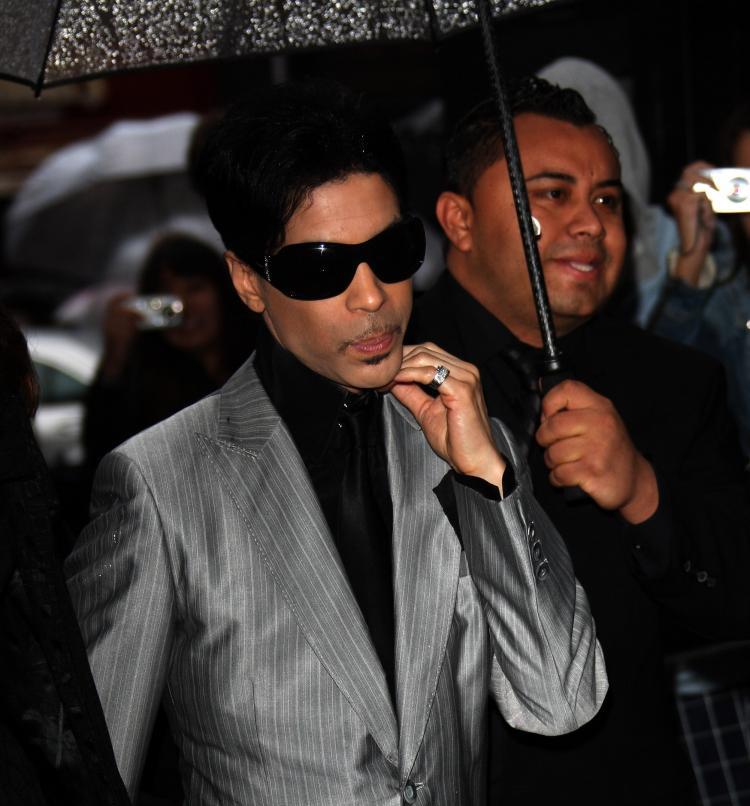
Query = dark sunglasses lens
x=399 y=251
x=310 y=272
x=320 y=271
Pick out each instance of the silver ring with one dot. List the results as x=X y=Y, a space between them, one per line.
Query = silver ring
x=441 y=373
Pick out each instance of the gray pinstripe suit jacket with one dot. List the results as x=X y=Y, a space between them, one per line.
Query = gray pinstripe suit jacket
x=208 y=576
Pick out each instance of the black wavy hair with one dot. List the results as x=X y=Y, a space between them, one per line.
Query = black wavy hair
x=475 y=142
x=257 y=164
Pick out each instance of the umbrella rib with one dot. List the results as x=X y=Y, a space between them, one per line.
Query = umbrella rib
x=43 y=68
x=432 y=21
x=551 y=362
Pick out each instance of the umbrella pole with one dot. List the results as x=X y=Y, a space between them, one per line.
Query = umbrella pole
x=551 y=368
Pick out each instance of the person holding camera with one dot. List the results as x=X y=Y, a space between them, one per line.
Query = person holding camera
x=706 y=302
x=179 y=340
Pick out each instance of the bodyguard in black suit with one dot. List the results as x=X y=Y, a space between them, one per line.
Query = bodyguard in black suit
x=663 y=535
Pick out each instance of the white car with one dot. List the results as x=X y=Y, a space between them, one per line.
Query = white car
x=65 y=363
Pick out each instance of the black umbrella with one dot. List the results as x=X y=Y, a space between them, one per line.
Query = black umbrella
x=48 y=42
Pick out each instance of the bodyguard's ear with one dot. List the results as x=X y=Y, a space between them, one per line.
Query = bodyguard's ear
x=456 y=217
x=247 y=283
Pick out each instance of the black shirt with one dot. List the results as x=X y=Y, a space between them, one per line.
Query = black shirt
x=316 y=410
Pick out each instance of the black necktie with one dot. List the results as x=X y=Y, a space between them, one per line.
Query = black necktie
x=363 y=536
x=530 y=398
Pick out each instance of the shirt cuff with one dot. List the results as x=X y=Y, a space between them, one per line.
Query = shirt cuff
x=490 y=491
x=651 y=541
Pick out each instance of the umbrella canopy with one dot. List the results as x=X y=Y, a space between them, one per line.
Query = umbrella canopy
x=46 y=42
x=49 y=42
x=91 y=210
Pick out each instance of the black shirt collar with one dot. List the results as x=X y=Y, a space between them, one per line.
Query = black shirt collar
x=483 y=335
x=310 y=405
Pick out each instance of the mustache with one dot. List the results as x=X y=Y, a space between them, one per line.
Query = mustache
x=374 y=327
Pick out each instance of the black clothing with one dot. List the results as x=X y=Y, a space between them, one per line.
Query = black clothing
x=340 y=439
x=157 y=382
x=54 y=745
x=685 y=564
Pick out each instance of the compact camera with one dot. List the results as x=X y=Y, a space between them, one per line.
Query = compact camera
x=157 y=313
x=730 y=192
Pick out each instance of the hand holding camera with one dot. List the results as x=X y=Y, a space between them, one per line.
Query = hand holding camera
x=125 y=316
x=696 y=223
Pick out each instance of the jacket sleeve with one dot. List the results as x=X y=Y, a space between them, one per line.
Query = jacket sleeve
x=705 y=498
x=548 y=673
x=122 y=590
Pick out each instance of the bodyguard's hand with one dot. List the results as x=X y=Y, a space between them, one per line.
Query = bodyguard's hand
x=587 y=445
x=455 y=422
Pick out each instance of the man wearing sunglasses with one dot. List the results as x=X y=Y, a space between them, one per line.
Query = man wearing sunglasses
x=329 y=564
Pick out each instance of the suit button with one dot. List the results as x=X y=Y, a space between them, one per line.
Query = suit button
x=410 y=792
x=536 y=552
x=531 y=530
x=701 y=576
x=542 y=571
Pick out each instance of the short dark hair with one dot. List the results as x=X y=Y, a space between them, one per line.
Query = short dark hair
x=271 y=150
x=476 y=143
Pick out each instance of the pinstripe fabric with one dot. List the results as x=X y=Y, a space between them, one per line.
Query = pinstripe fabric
x=208 y=575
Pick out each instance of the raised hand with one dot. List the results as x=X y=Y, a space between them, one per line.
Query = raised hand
x=455 y=422
x=695 y=220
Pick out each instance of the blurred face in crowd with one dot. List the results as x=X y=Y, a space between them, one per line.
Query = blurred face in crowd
x=741 y=159
x=355 y=338
x=573 y=181
x=200 y=328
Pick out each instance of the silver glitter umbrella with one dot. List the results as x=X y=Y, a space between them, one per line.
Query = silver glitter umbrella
x=49 y=42
x=44 y=43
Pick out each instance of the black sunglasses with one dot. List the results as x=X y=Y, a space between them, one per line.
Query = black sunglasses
x=311 y=271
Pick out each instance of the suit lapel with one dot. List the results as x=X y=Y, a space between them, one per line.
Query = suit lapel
x=426 y=567
x=269 y=484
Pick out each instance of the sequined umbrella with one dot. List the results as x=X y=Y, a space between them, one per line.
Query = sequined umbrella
x=48 y=42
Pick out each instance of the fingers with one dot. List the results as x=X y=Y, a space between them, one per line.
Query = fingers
x=571 y=395
x=419 y=365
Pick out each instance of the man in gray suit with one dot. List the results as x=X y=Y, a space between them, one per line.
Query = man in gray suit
x=326 y=567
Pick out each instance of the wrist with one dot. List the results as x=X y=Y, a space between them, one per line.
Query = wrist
x=491 y=470
x=645 y=498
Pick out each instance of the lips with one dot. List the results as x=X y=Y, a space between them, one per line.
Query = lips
x=581 y=263
x=377 y=343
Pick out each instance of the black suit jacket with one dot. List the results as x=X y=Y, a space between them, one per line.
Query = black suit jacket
x=685 y=568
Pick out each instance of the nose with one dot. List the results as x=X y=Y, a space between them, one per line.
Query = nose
x=365 y=292
x=586 y=221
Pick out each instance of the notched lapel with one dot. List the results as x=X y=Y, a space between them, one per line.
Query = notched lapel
x=269 y=484
x=426 y=561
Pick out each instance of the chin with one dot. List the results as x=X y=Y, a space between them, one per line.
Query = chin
x=372 y=375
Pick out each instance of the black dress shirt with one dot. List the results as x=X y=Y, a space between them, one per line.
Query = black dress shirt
x=314 y=409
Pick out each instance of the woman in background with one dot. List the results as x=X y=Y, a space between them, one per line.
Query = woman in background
x=147 y=375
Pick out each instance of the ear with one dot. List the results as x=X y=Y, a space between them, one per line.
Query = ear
x=247 y=283
x=456 y=217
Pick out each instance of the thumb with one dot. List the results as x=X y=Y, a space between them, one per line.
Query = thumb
x=413 y=397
